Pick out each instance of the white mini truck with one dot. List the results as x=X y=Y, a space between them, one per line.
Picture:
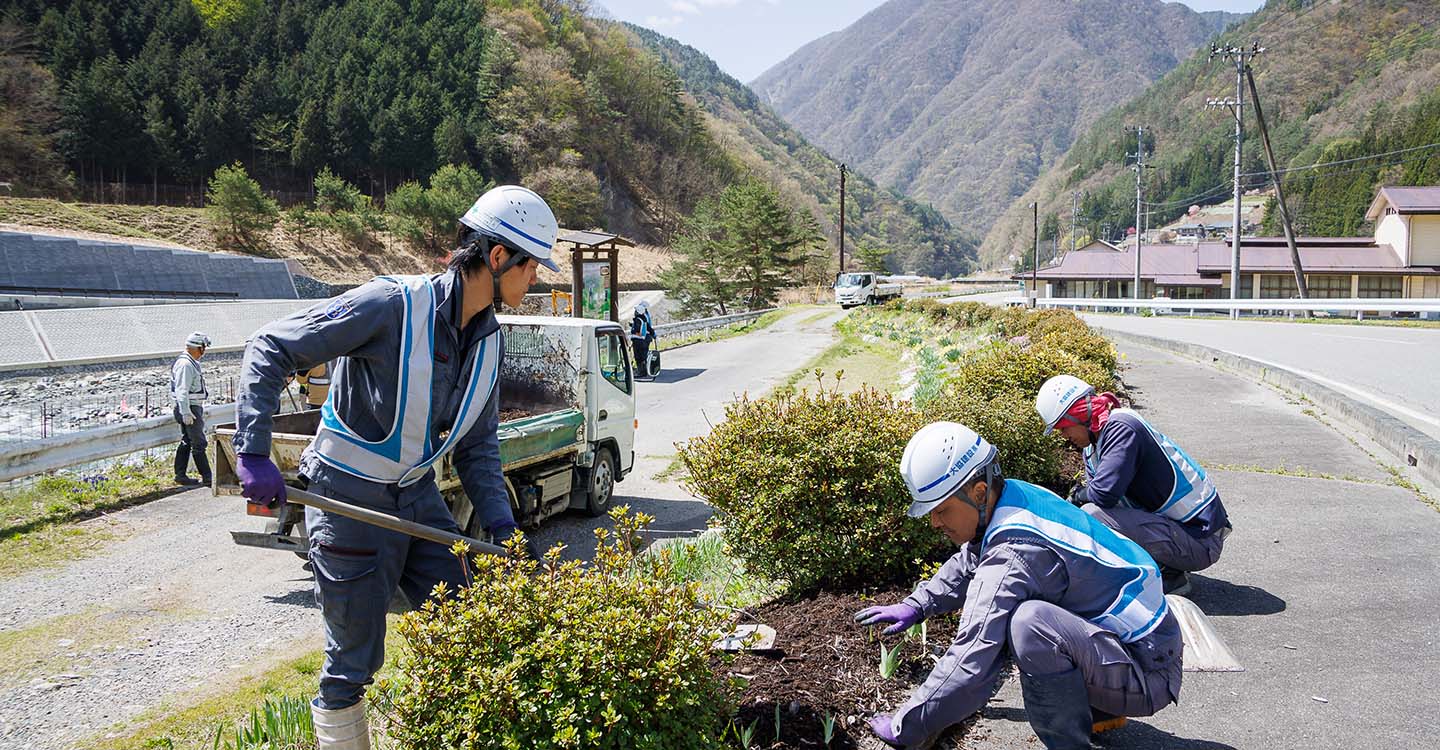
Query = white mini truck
x=567 y=431
x=852 y=289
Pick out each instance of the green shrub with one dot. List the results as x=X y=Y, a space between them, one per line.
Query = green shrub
x=343 y=209
x=1008 y=420
x=426 y=217
x=564 y=655
x=241 y=211
x=1001 y=366
x=808 y=489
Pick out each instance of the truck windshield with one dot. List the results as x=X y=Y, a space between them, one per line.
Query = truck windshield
x=853 y=279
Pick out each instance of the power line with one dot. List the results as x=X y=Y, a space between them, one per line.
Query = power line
x=1288 y=170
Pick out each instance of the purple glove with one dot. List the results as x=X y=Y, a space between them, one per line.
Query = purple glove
x=903 y=615
x=884 y=728
x=260 y=480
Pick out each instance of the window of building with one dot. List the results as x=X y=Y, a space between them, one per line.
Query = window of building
x=1382 y=287
x=1278 y=286
x=1246 y=283
x=1328 y=287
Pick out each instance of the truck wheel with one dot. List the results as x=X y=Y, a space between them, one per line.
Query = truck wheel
x=600 y=486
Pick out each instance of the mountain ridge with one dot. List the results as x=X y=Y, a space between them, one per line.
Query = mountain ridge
x=963 y=103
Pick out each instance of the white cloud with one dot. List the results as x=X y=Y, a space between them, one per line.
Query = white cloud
x=684 y=6
x=661 y=22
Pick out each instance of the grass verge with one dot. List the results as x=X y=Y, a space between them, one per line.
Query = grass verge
x=35 y=521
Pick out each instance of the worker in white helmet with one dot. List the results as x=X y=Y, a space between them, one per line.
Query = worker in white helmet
x=416 y=363
x=1137 y=480
x=188 y=391
x=1078 y=606
x=642 y=335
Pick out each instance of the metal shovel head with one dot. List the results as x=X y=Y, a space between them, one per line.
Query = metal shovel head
x=1205 y=651
x=747 y=638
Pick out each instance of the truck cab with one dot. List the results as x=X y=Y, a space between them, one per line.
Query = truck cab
x=567 y=431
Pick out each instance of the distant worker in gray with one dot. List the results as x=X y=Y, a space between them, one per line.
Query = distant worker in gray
x=187 y=387
x=1138 y=481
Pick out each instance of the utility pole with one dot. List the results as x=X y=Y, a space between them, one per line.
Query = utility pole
x=1300 y=285
x=1035 y=261
x=1074 y=217
x=1139 y=168
x=1241 y=57
x=842 y=218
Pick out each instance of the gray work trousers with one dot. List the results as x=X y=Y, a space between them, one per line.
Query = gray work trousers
x=357 y=570
x=1137 y=679
x=192 y=444
x=1165 y=539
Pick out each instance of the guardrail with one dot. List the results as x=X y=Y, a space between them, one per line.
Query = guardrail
x=705 y=324
x=1360 y=306
x=76 y=448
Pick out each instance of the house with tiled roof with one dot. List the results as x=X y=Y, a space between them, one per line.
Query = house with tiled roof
x=1401 y=260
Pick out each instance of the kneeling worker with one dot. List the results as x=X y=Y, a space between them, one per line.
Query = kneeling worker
x=1079 y=606
x=1138 y=481
x=417 y=363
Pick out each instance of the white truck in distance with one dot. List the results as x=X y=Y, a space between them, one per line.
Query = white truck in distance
x=853 y=289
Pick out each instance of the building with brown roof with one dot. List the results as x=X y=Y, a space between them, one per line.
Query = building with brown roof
x=1402 y=260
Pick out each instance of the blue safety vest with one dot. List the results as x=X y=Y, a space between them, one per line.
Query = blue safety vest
x=1139 y=604
x=1191 y=492
x=405 y=454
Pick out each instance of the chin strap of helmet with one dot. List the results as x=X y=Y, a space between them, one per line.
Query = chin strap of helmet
x=992 y=496
x=515 y=259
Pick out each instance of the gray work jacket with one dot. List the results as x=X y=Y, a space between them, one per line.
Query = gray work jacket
x=361 y=331
x=187 y=383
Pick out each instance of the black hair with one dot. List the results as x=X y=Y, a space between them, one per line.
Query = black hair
x=990 y=473
x=472 y=252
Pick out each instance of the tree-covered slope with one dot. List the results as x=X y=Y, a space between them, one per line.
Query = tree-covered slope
x=1338 y=81
x=919 y=238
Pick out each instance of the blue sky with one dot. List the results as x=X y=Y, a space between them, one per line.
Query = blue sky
x=747 y=37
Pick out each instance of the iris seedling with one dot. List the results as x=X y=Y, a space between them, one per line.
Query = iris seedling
x=827 y=726
x=746 y=735
x=889 y=660
x=777 y=722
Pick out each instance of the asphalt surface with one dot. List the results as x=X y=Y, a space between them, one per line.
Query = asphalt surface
x=1325 y=591
x=168 y=607
x=1392 y=368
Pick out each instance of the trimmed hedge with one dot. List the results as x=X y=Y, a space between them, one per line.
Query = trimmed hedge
x=1008 y=421
x=806 y=487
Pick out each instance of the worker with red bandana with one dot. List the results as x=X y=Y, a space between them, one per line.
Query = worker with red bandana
x=1137 y=480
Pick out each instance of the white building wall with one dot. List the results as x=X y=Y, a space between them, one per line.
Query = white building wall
x=1424 y=241
x=1394 y=230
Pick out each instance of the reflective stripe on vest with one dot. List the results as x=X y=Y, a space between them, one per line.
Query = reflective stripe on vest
x=1140 y=604
x=405 y=454
x=1192 y=491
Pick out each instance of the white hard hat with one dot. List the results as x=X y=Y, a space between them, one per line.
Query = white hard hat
x=939 y=460
x=1056 y=397
x=642 y=306
x=518 y=218
x=198 y=339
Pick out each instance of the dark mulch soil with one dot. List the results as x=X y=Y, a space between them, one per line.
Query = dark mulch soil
x=824 y=664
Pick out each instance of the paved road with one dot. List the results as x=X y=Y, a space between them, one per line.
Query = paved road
x=1396 y=369
x=171 y=605
x=1325 y=591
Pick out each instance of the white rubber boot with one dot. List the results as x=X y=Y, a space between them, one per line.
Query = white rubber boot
x=341 y=729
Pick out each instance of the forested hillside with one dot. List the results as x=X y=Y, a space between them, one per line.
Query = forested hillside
x=164 y=92
x=919 y=239
x=381 y=91
x=1344 y=82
